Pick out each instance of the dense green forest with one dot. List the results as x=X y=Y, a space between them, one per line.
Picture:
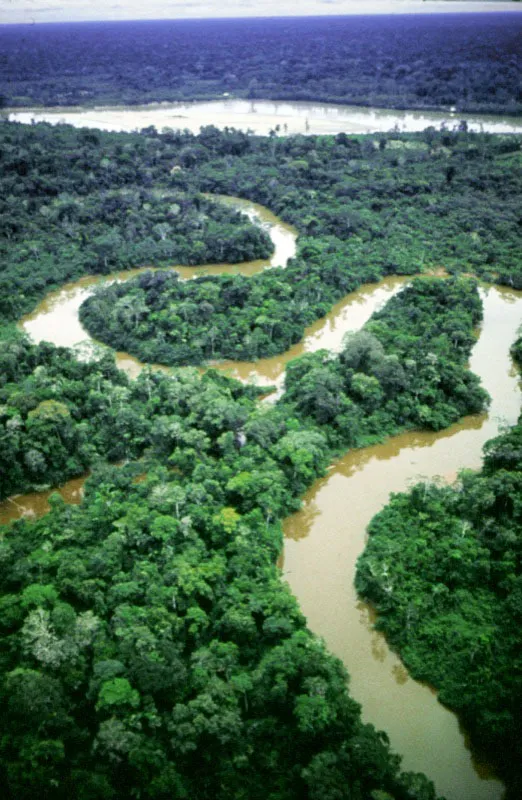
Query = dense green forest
x=147 y=629
x=467 y=61
x=365 y=207
x=517 y=349
x=406 y=369
x=443 y=567
x=147 y=643
x=111 y=209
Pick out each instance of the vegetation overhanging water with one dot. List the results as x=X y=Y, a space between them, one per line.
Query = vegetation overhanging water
x=377 y=676
x=323 y=365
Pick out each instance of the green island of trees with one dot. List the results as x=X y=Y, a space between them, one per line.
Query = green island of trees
x=147 y=643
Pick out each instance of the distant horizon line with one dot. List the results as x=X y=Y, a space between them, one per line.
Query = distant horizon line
x=402 y=13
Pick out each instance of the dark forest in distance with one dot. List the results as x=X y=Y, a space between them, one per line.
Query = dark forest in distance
x=470 y=61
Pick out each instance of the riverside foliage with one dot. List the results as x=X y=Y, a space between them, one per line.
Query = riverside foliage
x=443 y=567
x=147 y=644
x=364 y=206
x=110 y=209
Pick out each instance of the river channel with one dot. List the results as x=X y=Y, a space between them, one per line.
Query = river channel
x=324 y=539
x=326 y=536
x=262 y=116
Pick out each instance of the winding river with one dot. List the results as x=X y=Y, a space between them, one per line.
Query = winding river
x=324 y=539
x=326 y=536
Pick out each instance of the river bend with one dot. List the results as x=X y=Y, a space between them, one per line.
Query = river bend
x=326 y=536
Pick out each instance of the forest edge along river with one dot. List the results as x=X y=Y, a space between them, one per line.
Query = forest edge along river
x=55 y=318
x=324 y=539
x=335 y=514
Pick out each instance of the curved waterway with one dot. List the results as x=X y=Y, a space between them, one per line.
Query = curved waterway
x=324 y=539
x=262 y=116
x=56 y=318
x=326 y=536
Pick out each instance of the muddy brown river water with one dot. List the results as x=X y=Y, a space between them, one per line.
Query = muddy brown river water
x=324 y=539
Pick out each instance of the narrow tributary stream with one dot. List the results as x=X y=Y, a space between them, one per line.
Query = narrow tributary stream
x=325 y=538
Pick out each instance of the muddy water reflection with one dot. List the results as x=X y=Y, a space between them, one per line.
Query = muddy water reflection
x=36 y=504
x=326 y=537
